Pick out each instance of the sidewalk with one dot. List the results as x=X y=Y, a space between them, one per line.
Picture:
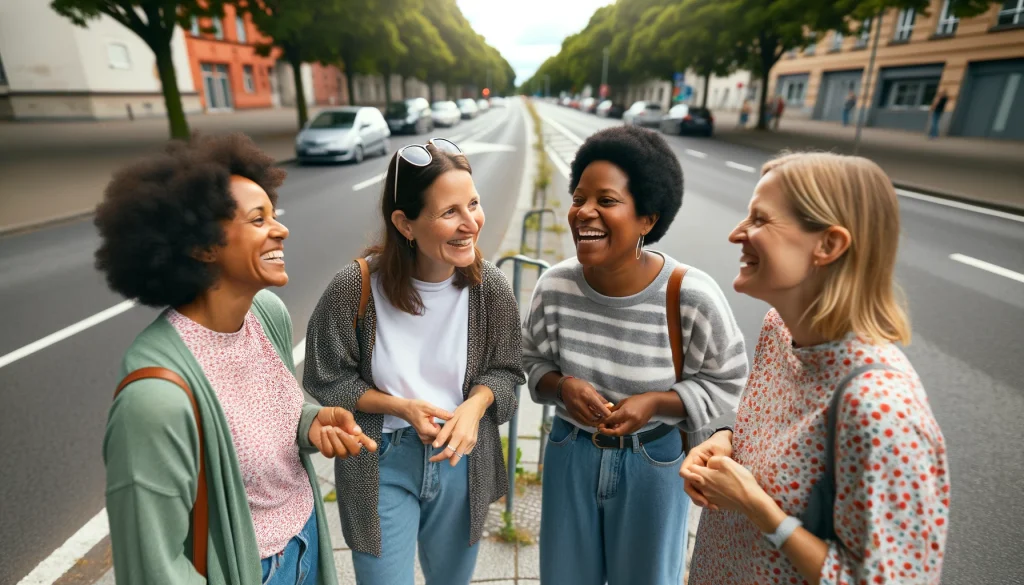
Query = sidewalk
x=51 y=171
x=989 y=172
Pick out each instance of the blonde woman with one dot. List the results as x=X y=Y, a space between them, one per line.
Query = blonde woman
x=819 y=245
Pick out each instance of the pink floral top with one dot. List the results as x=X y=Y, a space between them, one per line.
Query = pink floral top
x=892 y=486
x=262 y=402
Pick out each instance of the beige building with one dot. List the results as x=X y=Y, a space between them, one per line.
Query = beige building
x=978 y=62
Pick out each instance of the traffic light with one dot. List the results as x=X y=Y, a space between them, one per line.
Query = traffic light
x=486 y=92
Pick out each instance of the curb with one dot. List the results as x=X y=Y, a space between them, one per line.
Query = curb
x=30 y=226
x=959 y=198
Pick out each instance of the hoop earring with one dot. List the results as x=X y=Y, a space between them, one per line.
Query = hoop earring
x=412 y=243
x=639 y=247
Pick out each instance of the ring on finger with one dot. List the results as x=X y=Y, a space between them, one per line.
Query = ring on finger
x=450 y=448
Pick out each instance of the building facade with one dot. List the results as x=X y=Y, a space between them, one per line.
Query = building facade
x=52 y=69
x=978 y=62
x=726 y=93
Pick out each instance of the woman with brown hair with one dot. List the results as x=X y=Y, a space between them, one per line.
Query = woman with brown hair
x=420 y=330
x=836 y=470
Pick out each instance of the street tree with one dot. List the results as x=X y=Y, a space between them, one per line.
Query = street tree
x=154 y=22
x=427 y=56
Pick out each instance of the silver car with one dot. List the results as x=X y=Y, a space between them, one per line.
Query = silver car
x=643 y=114
x=446 y=113
x=343 y=135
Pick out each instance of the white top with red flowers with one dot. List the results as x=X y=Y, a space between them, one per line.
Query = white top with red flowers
x=892 y=487
x=262 y=402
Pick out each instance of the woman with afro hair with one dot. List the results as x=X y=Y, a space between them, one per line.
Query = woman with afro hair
x=208 y=472
x=597 y=344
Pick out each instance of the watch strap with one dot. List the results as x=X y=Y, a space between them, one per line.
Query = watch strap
x=784 y=531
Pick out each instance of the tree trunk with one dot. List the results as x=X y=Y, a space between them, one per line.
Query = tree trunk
x=300 y=91
x=401 y=86
x=766 y=50
x=430 y=91
x=387 y=88
x=707 y=85
x=351 y=86
x=172 y=95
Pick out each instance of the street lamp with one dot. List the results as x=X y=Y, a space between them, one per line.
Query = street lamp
x=876 y=26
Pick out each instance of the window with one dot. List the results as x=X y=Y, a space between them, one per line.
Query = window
x=117 y=56
x=911 y=93
x=247 y=76
x=837 y=40
x=865 y=34
x=812 y=47
x=1012 y=12
x=194 y=29
x=793 y=92
x=216 y=86
x=240 y=29
x=947 y=21
x=904 y=25
x=218 y=28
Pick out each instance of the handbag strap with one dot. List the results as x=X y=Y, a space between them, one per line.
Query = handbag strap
x=201 y=508
x=364 y=295
x=833 y=415
x=675 y=322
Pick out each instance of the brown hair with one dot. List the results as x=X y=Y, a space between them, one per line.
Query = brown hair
x=858 y=294
x=392 y=255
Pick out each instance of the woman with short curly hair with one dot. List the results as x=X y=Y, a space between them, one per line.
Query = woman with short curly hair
x=598 y=344
x=209 y=433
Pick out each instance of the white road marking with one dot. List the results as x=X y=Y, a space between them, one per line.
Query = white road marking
x=565 y=131
x=987 y=266
x=61 y=560
x=65 y=333
x=74 y=548
x=738 y=166
x=369 y=182
x=960 y=205
x=558 y=162
x=695 y=153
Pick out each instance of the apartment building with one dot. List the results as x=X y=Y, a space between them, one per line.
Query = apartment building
x=977 y=61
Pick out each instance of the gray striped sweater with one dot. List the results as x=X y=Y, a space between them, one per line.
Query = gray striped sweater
x=621 y=345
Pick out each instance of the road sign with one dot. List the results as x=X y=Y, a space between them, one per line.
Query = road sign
x=603 y=92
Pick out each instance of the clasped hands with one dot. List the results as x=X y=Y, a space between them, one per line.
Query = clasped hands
x=586 y=405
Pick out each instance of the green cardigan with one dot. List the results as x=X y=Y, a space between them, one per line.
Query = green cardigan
x=150 y=452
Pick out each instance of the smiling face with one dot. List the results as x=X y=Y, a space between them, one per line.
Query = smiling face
x=253 y=257
x=603 y=217
x=446 y=231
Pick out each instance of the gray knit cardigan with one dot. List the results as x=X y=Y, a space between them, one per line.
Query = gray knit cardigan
x=338 y=372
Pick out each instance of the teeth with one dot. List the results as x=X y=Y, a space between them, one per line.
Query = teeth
x=275 y=255
x=591 y=234
x=460 y=243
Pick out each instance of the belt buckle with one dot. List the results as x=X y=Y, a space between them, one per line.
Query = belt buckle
x=593 y=439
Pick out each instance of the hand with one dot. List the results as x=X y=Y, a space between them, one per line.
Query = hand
x=629 y=416
x=334 y=433
x=719 y=443
x=726 y=484
x=584 y=403
x=421 y=414
x=460 y=432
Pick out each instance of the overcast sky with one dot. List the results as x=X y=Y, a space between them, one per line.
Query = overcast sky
x=528 y=31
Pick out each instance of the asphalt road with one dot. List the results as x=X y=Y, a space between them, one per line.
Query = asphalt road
x=968 y=331
x=56 y=400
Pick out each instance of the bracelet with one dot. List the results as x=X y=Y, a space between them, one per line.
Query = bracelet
x=558 y=388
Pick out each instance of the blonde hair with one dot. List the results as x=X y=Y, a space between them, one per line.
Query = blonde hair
x=858 y=294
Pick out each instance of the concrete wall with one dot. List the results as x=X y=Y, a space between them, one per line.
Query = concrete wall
x=725 y=93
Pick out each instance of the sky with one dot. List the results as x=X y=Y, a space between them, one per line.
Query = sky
x=527 y=32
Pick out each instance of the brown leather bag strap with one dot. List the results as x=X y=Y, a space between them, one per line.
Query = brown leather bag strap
x=364 y=295
x=675 y=326
x=201 y=507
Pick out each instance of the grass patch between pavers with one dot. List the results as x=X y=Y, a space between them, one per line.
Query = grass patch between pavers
x=331 y=496
x=509 y=533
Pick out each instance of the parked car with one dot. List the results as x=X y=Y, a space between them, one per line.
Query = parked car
x=643 y=114
x=341 y=135
x=411 y=116
x=484 y=105
x=685 y=119
x=566 y=101
x=588 y=105
x=468 y=108
x=446 y=113
x=609 y=109
x=497 y=102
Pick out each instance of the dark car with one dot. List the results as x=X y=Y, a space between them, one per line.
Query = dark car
x=686 y=119
x=609 y=109
x=411 y=116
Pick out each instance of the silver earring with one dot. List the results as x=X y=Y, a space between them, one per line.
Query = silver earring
x=639 y=247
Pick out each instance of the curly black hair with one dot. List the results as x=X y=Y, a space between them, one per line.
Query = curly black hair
x=158 y=212
x=655 y=177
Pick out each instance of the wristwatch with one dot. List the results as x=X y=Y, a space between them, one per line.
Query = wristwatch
x=783 y=532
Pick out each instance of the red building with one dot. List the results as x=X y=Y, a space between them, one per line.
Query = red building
x=329 y=85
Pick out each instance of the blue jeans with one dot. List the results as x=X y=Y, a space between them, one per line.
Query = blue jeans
x=299 y=562
x=933 y=130
x=612 y=515
x=846 y=117
x=421 y=503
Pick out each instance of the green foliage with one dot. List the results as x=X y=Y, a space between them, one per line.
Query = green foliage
x=331 y=496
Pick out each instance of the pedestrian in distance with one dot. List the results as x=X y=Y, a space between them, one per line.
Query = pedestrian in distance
x=421 y=339
x=935 y=113
x=836 y=470
x=848 y=106
x=207 y=444
x=744 y=113
x=640 y=354
x=780 y=106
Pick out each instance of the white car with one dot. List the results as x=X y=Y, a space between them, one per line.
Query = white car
x=446 y=113
x=468 y=108
x=345 y=134
x=484 y=105
x=643 y=114
x=497 y=102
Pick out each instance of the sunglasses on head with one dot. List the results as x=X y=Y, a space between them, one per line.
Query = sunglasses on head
x=419 y=155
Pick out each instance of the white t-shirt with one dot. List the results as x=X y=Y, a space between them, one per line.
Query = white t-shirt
x=422 y=356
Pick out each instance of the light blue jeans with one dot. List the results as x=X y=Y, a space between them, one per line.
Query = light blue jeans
x=421 y=503
x=299 y=562
x=612 y=515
